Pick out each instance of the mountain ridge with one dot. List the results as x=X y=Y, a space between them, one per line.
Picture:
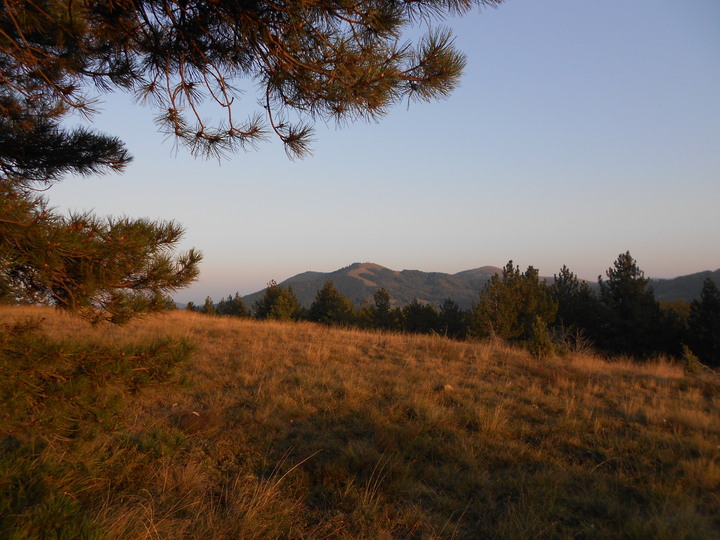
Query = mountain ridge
x=359 y=281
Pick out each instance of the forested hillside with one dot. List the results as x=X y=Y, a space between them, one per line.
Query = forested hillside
x=620 y=315
x=360 y=281
x=684 y=287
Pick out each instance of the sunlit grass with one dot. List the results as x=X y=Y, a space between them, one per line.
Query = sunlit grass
x=274 y=430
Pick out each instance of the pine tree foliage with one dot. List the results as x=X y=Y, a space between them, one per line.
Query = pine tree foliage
x=233 y=306
x=510 y=304
x=110 y=269
x=704 y=324
x=420 y=318
x=454 y=321
x=380 y=314
x=579 y=308
x=279 y=303
x=209 y=307
x=633 y=321
x=311 y=59
x=331 y=307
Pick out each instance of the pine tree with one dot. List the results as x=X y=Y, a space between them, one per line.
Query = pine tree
x=323 y=60
x=420 y=318
x=279 y=303
x=233 y=306
x=453 y=320
x=209 y=307
x=381 y=314
x=634 y=323
x=331 y=307
x=110 y=269
x=579 y=310
x=510 y=305
x=704 y=325
x=312 y=60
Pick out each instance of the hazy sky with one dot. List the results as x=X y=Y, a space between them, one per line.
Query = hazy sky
x=581 y=130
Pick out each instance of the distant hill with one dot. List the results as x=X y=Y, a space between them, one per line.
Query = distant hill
x=683 y=287
x=360 y=281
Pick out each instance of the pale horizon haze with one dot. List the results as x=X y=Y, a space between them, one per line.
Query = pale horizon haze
x=581 y=130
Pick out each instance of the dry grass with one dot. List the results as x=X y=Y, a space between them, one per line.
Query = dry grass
x=276 y=430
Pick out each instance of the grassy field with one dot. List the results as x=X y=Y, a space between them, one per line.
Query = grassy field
x=185 y=426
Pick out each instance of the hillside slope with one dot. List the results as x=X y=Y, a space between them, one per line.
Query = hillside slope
x=684 y=287
x=273 y=430
x=360 y=281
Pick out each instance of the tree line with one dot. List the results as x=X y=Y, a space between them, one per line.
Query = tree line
x=567 y=314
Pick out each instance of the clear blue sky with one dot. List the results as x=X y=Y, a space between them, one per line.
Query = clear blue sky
x=581 y=130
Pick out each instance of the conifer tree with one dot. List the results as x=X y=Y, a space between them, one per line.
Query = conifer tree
x=331 y=307
x=110 y=269
x=453 y=320
x=209 y=307
x=312 y=60
x=319 y=59
x=420 y=318
x=704 y=324
x=579 y=309
x=634 y=323
x=279 y=303
x=381 y=314
x=511 y=304
x=233 y=306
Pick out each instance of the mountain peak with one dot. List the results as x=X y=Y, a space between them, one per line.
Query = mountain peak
x=361 y=280
x=482 y=270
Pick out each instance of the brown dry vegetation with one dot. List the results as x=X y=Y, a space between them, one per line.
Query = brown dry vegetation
x=275 y=430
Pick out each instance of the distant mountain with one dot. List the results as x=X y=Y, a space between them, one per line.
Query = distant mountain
x=360 y=281
x=683 y=287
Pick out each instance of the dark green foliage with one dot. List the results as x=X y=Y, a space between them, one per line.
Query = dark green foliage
x=686 y=287
x=454 y=322
x=679 y=308
x=509 y=305
x=539 y=343
x=633 y=321
x=578 y=305
x=383 y=316
x=101 y=269
x=380 y=314
x=691 y=363
x=279 y=303
x=233 y=306
x=108 y=269
x=331 y=307
x=208 y=307
x=418 y=318
x=704 y=325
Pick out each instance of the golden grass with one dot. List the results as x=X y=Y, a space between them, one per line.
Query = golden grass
x=302 y=431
